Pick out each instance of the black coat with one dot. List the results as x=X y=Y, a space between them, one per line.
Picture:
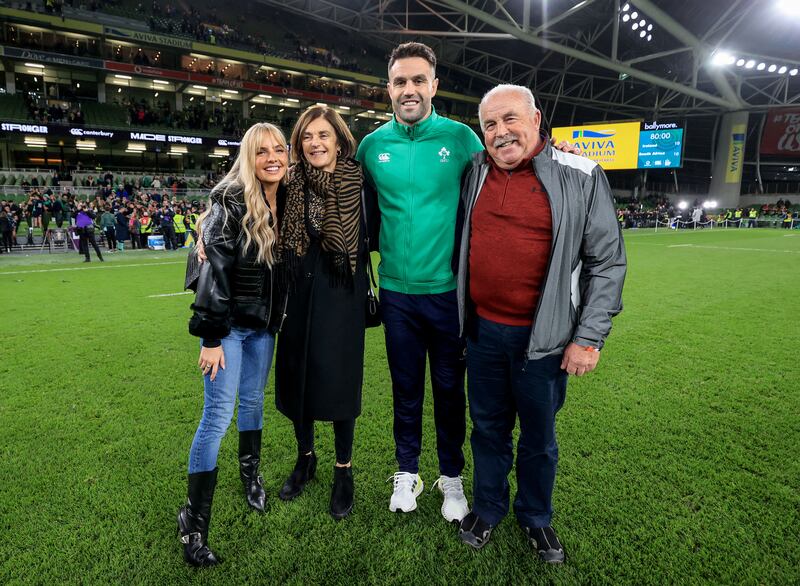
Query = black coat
x=320 y=357
x=233 y=288
x=123 y=233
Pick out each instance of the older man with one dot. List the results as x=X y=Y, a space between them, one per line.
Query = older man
x=542 y=264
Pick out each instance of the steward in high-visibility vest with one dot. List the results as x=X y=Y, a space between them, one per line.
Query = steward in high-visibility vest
x=146 y=224
x=179 y=222
x=752 y=214
x=787 y=220
x=145 y=228
x=192 y=217
x=738 y=214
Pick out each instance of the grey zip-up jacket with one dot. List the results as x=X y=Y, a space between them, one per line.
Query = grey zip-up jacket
x=582 y=289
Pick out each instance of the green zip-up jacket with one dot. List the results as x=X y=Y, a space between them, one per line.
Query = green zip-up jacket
x=107 y=220
x=417 y=172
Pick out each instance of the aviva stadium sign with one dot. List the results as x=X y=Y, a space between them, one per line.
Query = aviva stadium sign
x=628 y=145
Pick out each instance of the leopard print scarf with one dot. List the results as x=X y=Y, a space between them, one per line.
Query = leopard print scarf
x=334 y=211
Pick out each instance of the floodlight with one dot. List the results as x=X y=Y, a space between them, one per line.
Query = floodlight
x=634 y=14
x=642 y=22
x=740 y=62
x=772 y=68
x=788 y=7
x=635 y=25
x=793 y=72
x=649 y=38
x=649 y=27
x=783 y=69
x=761 y=66
x=626 y=17
x=683 y=205
x=626 y=7
x=643 y=33
x=720 y=58
x=750 y=64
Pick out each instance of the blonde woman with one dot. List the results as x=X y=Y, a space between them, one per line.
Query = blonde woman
x=235 y=317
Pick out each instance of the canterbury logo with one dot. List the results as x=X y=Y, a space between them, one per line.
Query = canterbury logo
x=383 y=158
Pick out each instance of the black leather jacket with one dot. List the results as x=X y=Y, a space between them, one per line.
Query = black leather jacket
x=233 y=289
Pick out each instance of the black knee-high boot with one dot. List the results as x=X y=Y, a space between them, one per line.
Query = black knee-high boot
x=249 y=459
x=194 y=517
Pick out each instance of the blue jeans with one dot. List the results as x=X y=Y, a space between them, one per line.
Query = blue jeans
x=248 y=357
x=416 y=327
x=503 y=385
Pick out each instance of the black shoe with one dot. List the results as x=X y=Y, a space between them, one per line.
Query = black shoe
x=342 y=492
x=249 y=459
x=545 y=541
x=87 y=260
x=194 y=517
x=474 y=531
x=303 y=473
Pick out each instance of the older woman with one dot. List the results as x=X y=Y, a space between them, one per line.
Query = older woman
x=320 y=356
x=235 y=316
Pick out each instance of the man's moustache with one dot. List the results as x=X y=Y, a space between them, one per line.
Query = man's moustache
x=507 y=138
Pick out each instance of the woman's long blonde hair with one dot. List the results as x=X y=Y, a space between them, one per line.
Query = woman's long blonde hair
x=242 y=176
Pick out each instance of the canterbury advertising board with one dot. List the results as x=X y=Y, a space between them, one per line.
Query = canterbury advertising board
x=612 y=146
x=782 y=133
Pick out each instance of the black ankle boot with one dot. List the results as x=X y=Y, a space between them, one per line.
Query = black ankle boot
x=342 y=492
x=303 y=473
x=194 y=517
x=249 y=459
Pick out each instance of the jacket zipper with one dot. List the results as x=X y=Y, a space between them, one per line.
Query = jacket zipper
x=549 y=260
x=410 y=225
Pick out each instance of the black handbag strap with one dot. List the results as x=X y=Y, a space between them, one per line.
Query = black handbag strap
x=366 y=240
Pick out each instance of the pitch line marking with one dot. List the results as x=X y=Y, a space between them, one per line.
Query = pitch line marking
x=733 y=248
x=144 y=264
x=171 y=294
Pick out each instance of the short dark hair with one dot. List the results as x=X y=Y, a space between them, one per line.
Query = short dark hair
x=344 y=138
x=413 y=49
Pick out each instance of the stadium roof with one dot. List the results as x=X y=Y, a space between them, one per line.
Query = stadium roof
x=669 y=57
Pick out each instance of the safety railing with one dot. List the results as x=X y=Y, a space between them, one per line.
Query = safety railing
x=678 y=224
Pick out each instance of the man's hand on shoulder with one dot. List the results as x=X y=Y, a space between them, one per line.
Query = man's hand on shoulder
x=566 y=146
x=579 y=360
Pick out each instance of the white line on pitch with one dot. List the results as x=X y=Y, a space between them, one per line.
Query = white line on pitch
x=734 y=248
x=171 y=294
x=104 y=266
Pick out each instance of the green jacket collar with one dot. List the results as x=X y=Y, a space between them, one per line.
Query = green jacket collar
x=417 y=130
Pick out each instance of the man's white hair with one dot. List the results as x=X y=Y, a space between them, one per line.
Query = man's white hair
x=523 y=91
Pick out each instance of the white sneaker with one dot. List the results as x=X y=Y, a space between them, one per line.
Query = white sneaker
x=407 y=487
x=454 y=507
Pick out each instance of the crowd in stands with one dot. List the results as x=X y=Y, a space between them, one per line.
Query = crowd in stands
x=635 y=215
x=42 y=112
x=192 y=117
x=137 y=212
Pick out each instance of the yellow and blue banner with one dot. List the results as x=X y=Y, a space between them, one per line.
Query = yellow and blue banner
x=612 y=146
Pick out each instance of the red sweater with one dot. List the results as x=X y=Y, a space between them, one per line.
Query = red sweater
x=511 y=234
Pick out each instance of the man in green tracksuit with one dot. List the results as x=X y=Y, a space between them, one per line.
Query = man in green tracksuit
x=416 y=162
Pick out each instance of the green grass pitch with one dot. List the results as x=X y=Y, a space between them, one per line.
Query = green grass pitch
x=680 y=456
